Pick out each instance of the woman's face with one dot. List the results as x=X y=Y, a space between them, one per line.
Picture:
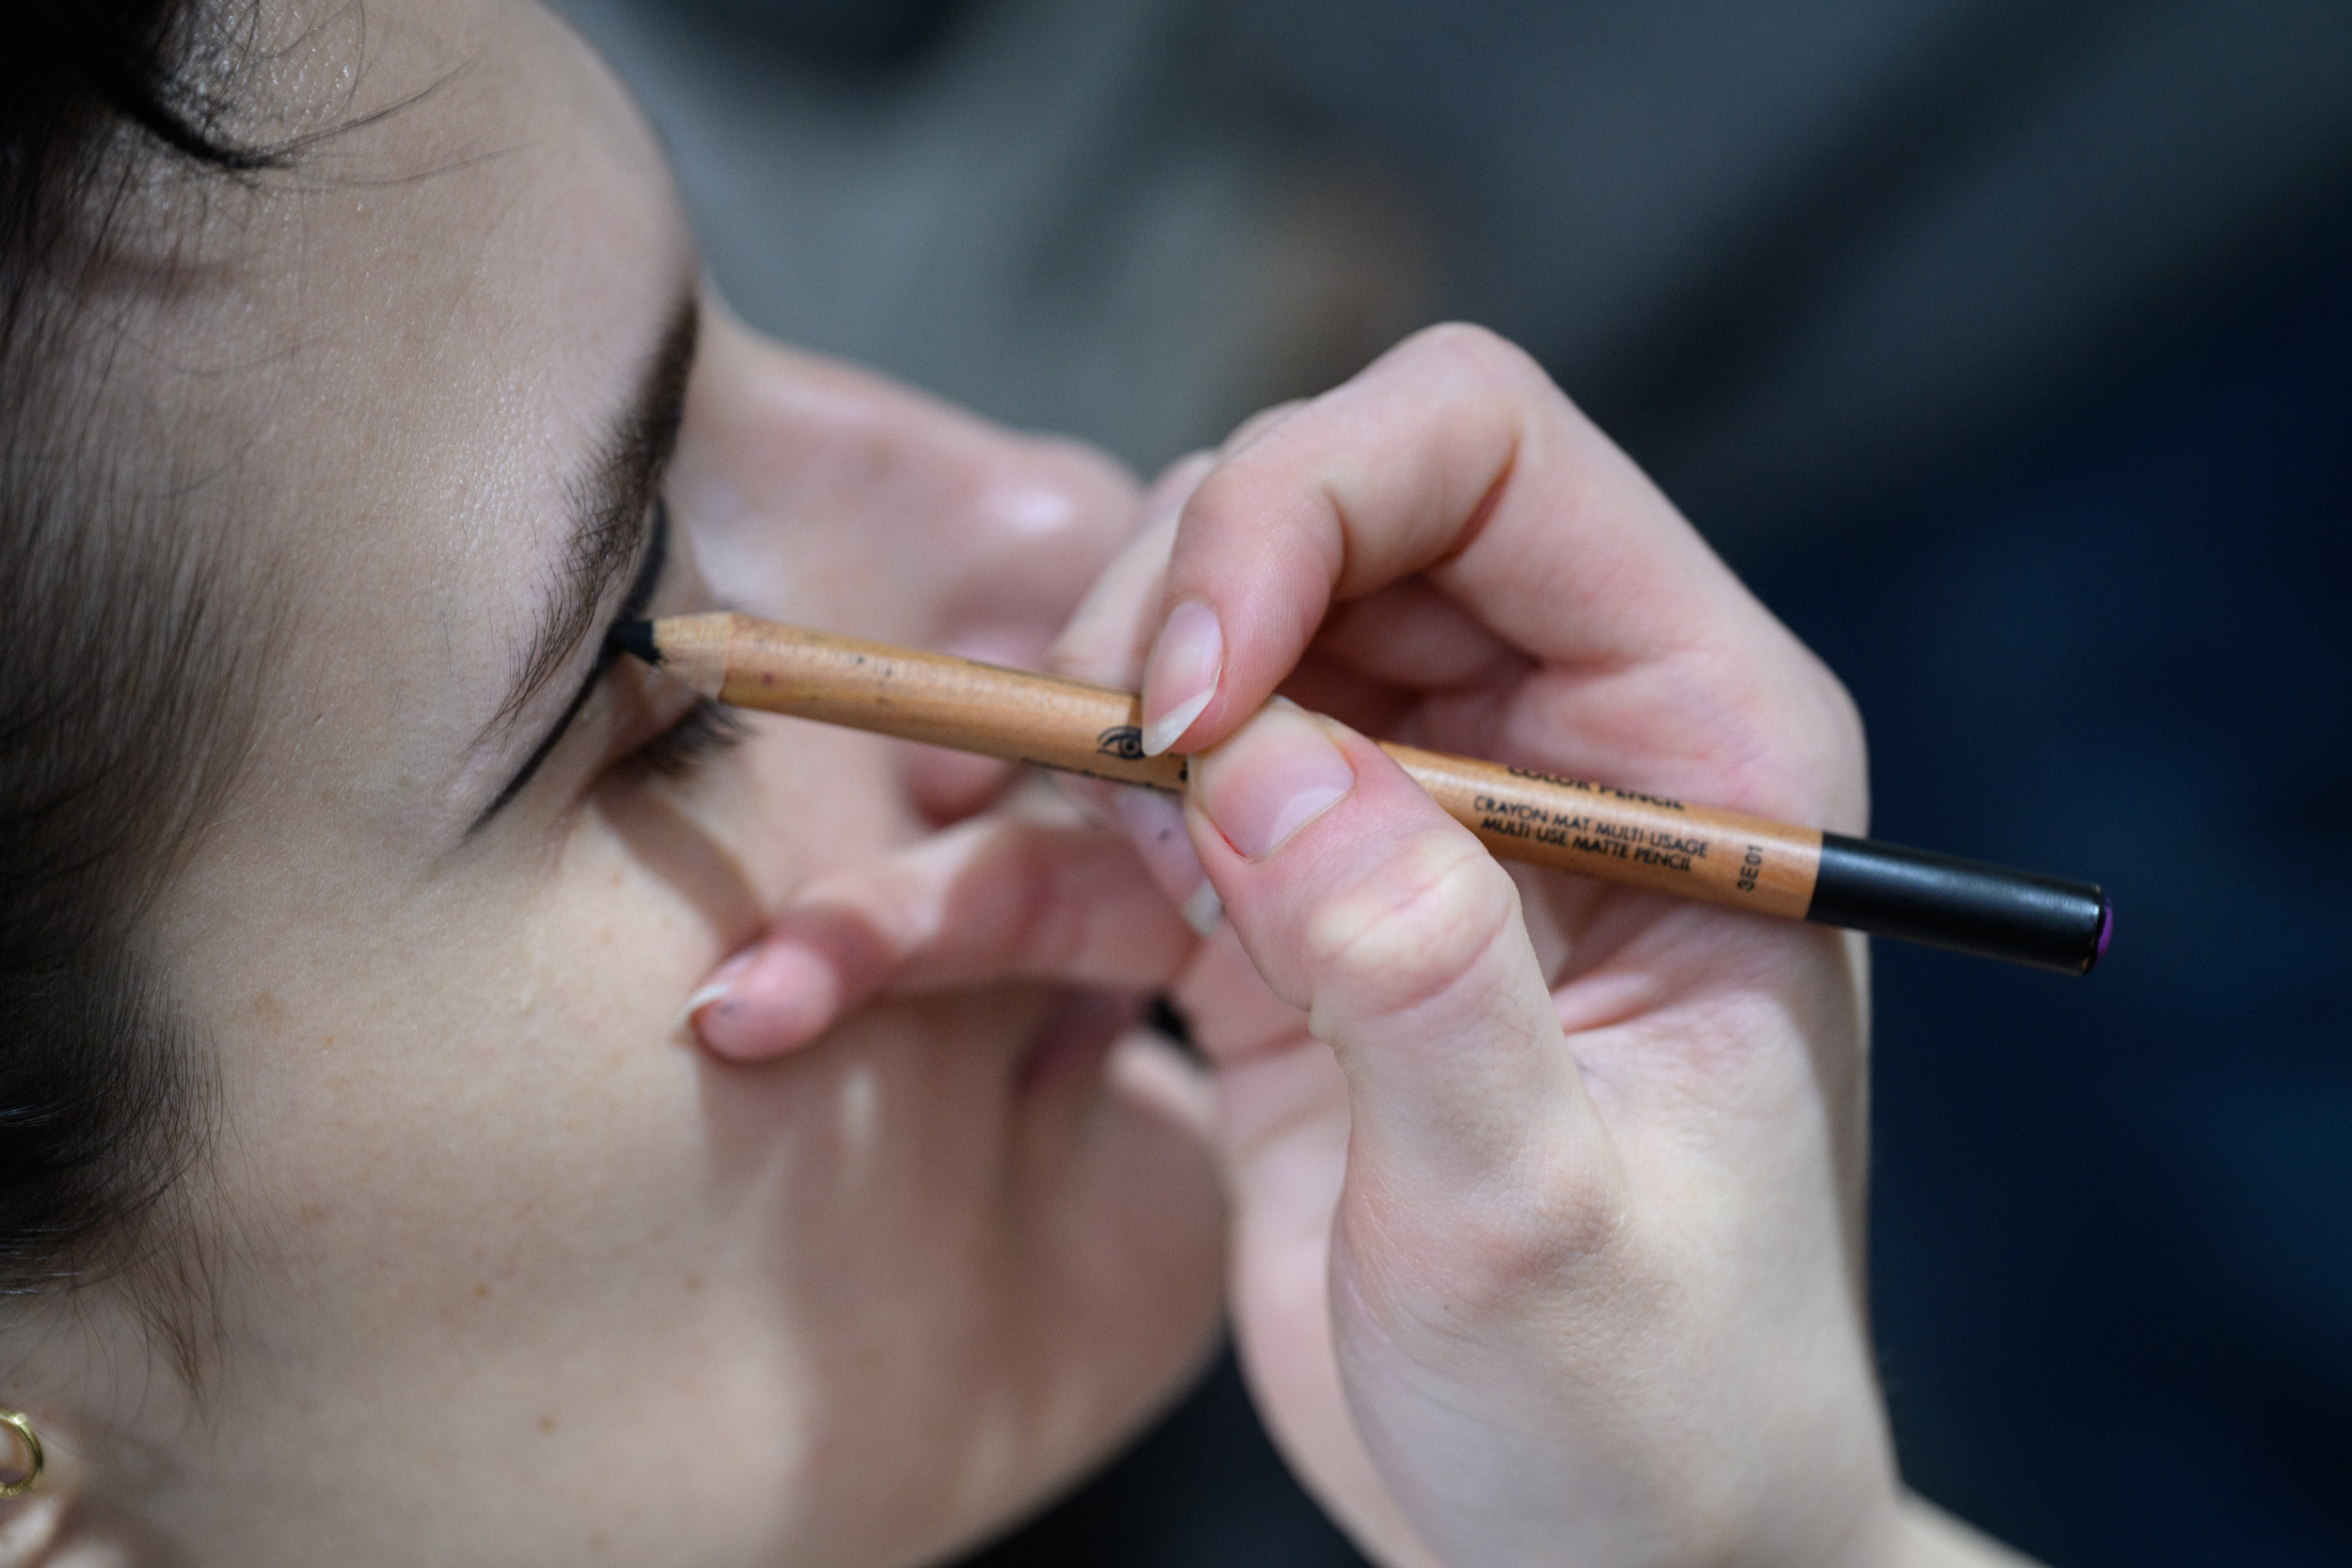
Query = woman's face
x=502 y=1268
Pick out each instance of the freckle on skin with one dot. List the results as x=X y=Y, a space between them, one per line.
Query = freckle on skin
x=481 y=1289
x=311 y=1213
x=547 y=1423
x=693 y=1284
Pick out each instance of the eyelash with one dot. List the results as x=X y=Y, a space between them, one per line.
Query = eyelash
x=705 y=732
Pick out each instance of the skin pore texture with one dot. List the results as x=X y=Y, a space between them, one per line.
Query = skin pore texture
x=500 y=1267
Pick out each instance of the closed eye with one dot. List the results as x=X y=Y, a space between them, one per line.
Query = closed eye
x=701 y=733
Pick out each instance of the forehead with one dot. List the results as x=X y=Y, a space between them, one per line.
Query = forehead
x=467 y=276
x=439 y=312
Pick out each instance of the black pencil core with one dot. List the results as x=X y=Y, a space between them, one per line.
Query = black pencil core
x=635 y=639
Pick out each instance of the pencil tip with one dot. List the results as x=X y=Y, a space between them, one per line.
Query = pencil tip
x=635 y=638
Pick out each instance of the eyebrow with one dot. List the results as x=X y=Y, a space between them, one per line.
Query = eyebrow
x=611 y=507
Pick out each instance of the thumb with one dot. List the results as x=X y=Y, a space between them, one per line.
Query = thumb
x=1363 y=903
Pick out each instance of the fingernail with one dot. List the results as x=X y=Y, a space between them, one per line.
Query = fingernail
x=1155 y=824
x=721 y=981
x=781 y=998
x=695 y=1003
x=1182 y=674
x=1278 y=773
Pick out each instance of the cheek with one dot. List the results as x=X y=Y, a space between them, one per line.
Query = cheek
x=729 y=843
x=481 y=1192
x=494 y=1051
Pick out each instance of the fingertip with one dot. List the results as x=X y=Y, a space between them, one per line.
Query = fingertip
x=1164 y=732
x=948 y=787
x=1204 y=911
x=1097 y=799
x=695 y=1005
x=1154 y=828
x=1267 y=779
x=712 y=990
x=783 y=998
x=1181 y=678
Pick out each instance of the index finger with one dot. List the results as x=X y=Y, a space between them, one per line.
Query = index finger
x=1452 y=455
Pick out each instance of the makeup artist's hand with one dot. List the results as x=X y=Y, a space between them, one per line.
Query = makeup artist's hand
x=1548 y=1194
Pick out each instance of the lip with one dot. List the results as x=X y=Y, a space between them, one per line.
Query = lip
x=1074 y=1039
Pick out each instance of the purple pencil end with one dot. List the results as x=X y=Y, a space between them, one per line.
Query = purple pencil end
x=2107 y=932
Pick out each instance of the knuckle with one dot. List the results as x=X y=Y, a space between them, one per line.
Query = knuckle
x=1414 y=927
x=1823 y=749
x=1259 y=425
x=1487 y=352
x=1788 y=736
x=1546 y=1236
x=1845 y=747
x=1562 y=1220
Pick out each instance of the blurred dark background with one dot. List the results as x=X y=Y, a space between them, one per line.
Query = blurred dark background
x=2005 y=348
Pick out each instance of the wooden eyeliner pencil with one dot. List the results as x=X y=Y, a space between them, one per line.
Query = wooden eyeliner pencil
x=1720 y=857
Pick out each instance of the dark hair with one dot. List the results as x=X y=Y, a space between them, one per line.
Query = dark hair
x=125 y=711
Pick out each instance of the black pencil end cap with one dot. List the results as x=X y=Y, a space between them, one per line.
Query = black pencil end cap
x=2107 y=931
x=2017 y=916
x=635 y=639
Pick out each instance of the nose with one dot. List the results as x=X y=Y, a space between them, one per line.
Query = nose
x=822 y=494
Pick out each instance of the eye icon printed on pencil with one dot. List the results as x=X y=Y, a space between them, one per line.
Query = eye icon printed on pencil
x=1123 y=741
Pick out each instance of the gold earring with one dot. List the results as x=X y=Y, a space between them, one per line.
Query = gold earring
x=31 y=1439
